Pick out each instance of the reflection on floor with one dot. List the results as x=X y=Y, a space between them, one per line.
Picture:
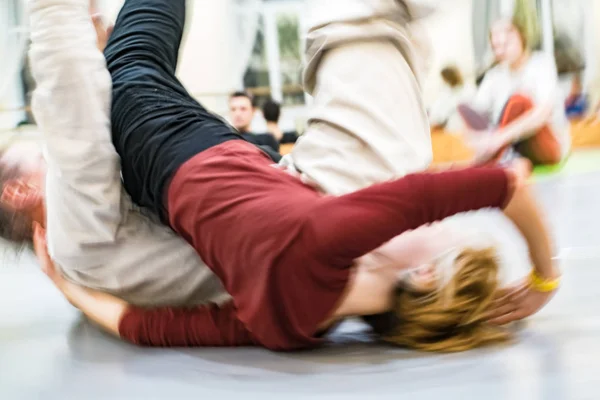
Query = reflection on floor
x=47 y=351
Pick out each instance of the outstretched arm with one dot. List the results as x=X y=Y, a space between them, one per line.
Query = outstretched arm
x=209 y=325
x=72 y=107
x=420 y=247
x=523 y=299
x=528 y=297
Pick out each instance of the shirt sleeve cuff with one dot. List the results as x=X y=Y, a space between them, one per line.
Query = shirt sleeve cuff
x=511 y=186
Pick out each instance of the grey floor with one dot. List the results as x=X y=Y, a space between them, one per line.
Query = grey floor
x=47 y=351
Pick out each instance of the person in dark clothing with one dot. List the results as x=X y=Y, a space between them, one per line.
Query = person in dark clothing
x=156 y=124
x=271 y=112
x=242 y=110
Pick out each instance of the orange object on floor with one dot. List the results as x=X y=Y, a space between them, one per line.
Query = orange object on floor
x=585 y=135
x=448 y=148
x=286 y=148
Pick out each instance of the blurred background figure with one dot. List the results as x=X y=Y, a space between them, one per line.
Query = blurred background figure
x=576 y=104
x=443 y=114
x=520 y=102
x=241 y=112
x=271 y=111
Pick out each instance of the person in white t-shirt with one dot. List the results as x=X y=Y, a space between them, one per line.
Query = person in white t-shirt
x=521 y=95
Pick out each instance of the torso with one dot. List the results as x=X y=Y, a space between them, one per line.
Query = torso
x=147 y=265
x=248 y=226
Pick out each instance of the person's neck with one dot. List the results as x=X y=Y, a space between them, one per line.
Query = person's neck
x=273 y=129
x=369 y=292
x=521 y=61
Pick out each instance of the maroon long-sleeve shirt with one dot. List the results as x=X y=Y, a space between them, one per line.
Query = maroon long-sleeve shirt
x=283 y=251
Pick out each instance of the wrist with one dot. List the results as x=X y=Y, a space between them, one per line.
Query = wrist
x=545 y=283
x=505 y=137
x=69 y=291
x=547 y=271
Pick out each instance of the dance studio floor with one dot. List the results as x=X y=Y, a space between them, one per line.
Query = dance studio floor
x=47 y=351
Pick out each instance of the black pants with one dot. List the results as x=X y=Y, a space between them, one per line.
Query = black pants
x=156 y=124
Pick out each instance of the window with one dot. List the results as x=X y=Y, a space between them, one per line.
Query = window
x=256 y=78
x=290 y=56
x=275 y=67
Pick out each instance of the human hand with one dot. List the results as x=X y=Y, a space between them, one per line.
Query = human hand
x=488 y=146
x=47 y=265
x=302 y=177
x=102 y=32
x=517 y=302
x=522 y=169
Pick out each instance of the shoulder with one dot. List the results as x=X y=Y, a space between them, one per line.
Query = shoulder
x=542 y=68
x=542 y=60
x=496 y=71
x=494 y=75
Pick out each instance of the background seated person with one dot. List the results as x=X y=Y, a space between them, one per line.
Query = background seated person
x=242 y=110
x=271 y=112
x=521 y=94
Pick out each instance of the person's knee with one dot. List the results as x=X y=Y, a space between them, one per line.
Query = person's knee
x=553 y=158
x=546 y=151
x=519 y=98
x=517 y=105
x=149 y=31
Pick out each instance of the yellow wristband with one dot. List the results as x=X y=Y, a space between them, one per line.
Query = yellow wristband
x=542 y=285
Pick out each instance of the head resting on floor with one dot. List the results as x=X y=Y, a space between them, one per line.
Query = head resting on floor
x=451 y=316
x=22 y=177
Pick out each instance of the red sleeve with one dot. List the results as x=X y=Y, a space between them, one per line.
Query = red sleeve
x=208 y=326
x=347 y=227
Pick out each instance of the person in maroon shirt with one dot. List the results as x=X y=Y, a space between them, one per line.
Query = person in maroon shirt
x=291 y=304
x=286 y=254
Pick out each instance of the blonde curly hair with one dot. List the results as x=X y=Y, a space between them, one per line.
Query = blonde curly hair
x=451 y=319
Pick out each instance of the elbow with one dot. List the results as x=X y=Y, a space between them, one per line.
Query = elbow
x=131 y=327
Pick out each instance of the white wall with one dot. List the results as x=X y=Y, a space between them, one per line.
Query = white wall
x=208 y=65
x=207 y=60
x=11 y=52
